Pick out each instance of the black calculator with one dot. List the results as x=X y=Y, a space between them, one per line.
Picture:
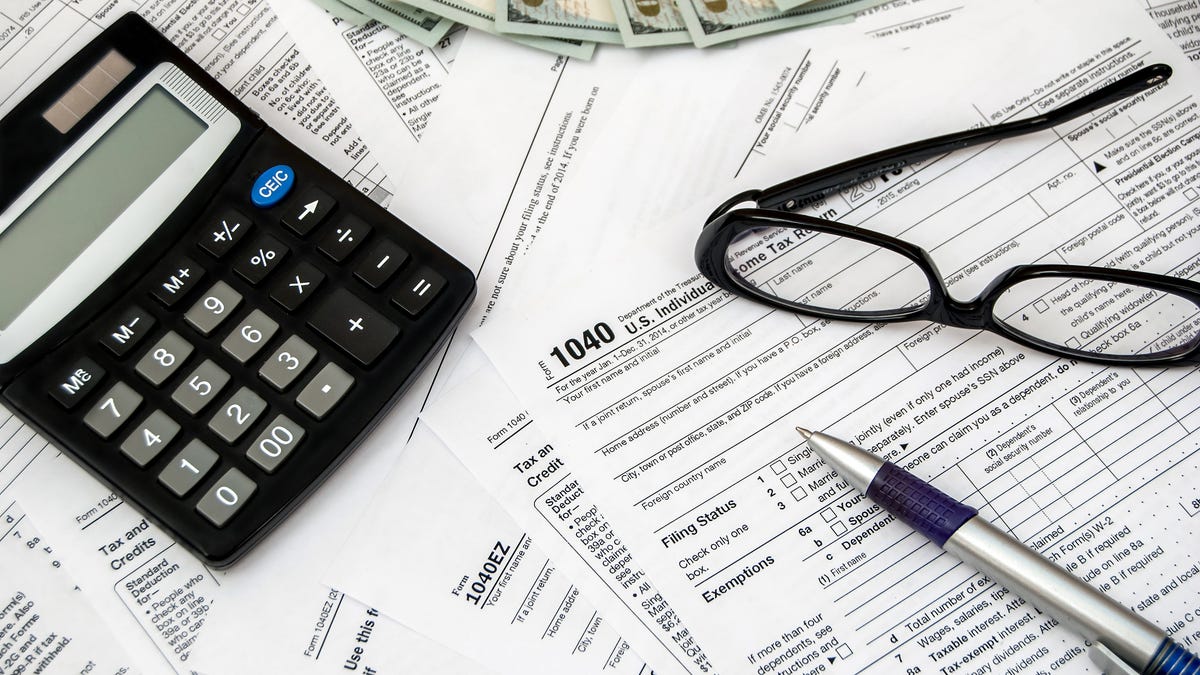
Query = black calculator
x=198 y=312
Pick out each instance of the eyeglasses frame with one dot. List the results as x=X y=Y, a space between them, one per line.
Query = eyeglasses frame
x=728 y=222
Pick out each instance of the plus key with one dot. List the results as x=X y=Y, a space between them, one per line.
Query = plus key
x=353 y=325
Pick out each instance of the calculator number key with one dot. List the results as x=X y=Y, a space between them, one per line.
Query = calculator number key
x=164 y=358
x=249 y=337
x=149 y=438
x=188 y=468
x=275 y=443
x=238 y=414
x=211 y=310
x=112 y=410
x=201 y=387
x=287 y=363
x=226 y=498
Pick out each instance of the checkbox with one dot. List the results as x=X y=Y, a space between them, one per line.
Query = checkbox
x=1073 y=343
x=799 y=493
x=839 y=527
x=844 y=650
x=219 y=34
x=828 y=515
x=788 y=480
x=778 y=467
x=243 y=9
x=1190 y=193
x=1041 y=306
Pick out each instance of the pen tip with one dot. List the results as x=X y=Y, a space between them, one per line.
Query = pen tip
x=804 y=432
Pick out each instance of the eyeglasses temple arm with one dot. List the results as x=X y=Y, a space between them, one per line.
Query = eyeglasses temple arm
x=808 y=188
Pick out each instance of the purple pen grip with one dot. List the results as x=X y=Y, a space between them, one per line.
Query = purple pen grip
x=925 y=508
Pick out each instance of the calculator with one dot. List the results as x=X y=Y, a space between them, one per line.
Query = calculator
x=198 y=312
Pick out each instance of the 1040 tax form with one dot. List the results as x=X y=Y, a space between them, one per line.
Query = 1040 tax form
x=673 y=404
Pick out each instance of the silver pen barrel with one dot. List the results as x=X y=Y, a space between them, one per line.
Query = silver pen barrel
x=1048 y=587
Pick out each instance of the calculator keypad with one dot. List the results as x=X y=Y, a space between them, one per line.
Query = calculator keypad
x=188 y=468
x=112 y=410
x=150 y=438
x=221 y=384
x=251 y=334
x=288 y=363
x=200 y=387
x=257 y=261
x=324 y=391
x=164 y=358
x=213 y=308
x=127 y=330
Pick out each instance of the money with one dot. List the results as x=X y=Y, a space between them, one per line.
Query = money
x=481 y=14
x=712 y=22
x=424 y=27
x=573 y=27
x=591 y=20
x=785 y=5
x=341 y=11
x=650 y=23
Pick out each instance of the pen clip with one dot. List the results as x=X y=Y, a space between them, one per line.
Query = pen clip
x=1109 y=663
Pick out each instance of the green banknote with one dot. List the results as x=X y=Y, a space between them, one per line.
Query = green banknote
x=341 y=11
x=650 y=23
x=424 y=27
x=481 y=14
x=713 y=22
x=590 y=20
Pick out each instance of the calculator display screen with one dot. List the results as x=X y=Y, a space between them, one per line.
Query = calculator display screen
x=68 y=217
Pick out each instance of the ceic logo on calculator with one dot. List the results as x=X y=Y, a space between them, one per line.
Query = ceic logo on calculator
x=198 y=312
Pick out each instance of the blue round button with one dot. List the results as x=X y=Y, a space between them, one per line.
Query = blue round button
x=272 y=185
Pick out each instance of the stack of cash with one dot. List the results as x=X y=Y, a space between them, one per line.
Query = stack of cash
x=574 y=27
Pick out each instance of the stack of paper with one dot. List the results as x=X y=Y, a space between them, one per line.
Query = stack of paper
x=606 y=476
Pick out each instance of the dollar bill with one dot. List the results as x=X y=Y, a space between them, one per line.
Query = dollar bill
x=424 y=27
x=341 y=11
x=712 y=22
x=650 y=23
x=789 y=4
x=481 y=14
x=591 y=20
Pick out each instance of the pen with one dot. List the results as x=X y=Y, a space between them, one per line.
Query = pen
x=1122 y=643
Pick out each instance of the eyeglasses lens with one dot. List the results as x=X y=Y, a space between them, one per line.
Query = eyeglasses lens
x=829 y=272
x=1099 y=317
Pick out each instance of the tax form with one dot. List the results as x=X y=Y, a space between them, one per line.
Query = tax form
x=46 y=623
x=540 y=166
x=674 y=403
x=137 y=578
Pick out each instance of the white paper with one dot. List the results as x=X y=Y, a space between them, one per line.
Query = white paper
x=463 y=568
x=46 y=624
x=679 y=422
x=389 y=83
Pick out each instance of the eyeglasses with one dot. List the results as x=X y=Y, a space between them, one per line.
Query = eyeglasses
x=831 y=270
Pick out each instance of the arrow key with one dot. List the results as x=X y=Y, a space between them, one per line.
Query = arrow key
x=307 y=210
